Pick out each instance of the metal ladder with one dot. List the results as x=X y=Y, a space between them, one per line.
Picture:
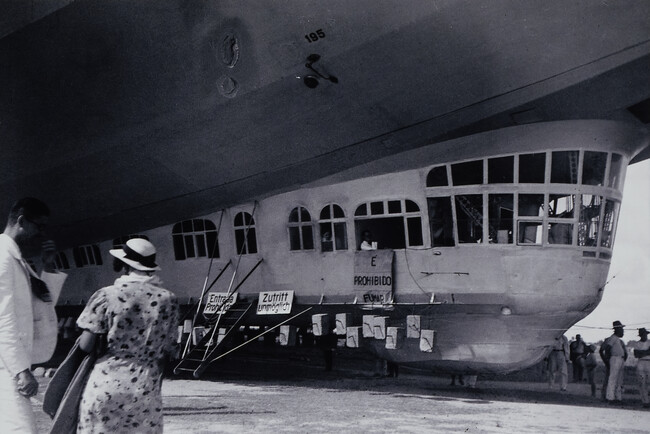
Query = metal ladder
x=471 y=212
x=214 y=344
x=197 y=359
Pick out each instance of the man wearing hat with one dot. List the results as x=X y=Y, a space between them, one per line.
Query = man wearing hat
x=577 y=354
x=614 y=354
x=642 y=352
x=558 y=359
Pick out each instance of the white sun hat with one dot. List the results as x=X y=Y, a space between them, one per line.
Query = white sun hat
x=137 y=253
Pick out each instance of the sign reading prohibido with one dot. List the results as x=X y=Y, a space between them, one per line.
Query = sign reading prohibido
x=373 y=275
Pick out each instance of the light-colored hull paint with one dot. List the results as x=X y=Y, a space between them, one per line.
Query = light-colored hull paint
x=461 y=292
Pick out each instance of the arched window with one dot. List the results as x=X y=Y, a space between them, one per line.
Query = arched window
x=195 y=238
x=392 y=224
x=87 y=255
x=333 y=230
x=245 y=238
x=437 y=177
x=301 y=232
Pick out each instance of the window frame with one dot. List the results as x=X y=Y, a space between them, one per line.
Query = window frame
x=87 y=255
x=372 y=214
x=301 y=226
x=332 y=223
x=249 y=235
x=185 y=239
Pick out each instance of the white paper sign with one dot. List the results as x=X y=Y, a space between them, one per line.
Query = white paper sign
x=215 y=299
x=275 y=303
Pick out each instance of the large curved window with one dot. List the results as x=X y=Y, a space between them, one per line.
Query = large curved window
x=547 y=198
x=301 y=232
x=333 y=229
x=245 y=236
x=392 y=224
x=195 y=238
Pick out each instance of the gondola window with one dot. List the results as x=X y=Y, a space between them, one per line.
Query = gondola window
x=393 y=224
x=469 y=217
x=87 y=255
x=589 y=220
x=301 y=232
x=194 y=239
x=333 y=228
x=245 y=236
x=441 y=221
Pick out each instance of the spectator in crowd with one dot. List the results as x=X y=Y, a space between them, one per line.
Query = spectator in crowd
x=642 y=352
x=590 y=367
x=577 y=349
x=614 y=354
x=557 y=362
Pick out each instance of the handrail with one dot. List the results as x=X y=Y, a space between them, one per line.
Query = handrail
x=261 y=334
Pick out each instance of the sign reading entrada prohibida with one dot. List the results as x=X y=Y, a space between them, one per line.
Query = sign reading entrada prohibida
x=373 y=275
x=275 y=303
x=216 y=302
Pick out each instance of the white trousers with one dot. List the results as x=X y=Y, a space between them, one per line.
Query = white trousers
x=16 y=414
x=558 y=365
x=615 y=382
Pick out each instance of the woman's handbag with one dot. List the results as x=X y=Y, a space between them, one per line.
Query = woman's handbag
x=63 y=393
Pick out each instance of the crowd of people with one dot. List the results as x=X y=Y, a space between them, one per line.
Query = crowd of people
x=613 y=353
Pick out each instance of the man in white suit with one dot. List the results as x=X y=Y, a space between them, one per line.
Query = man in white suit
x=20 y=293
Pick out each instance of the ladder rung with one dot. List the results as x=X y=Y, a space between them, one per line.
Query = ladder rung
x=203 y=349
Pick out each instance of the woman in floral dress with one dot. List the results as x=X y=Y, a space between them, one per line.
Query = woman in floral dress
x=140 y=320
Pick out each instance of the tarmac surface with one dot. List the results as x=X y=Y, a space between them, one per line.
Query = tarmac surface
x=278 y=393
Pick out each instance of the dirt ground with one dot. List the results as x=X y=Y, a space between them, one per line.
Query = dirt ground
x=263 y=393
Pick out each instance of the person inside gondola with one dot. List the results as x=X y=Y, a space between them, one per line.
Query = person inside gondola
x=367 y=243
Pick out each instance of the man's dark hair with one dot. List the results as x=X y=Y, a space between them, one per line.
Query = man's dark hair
x=29 y=207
